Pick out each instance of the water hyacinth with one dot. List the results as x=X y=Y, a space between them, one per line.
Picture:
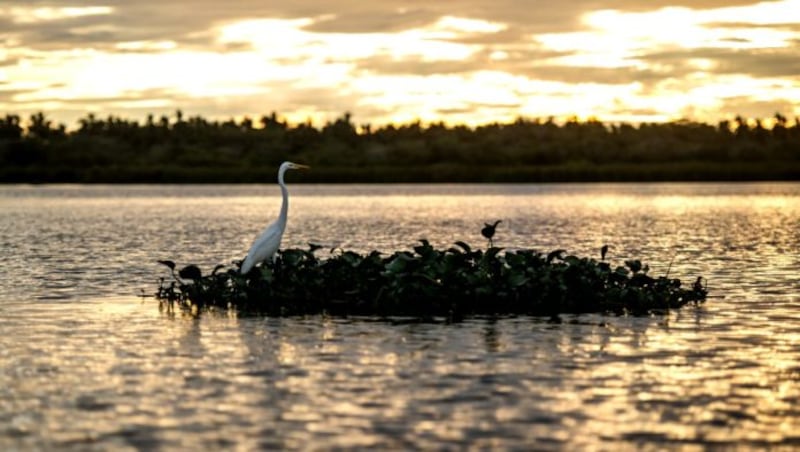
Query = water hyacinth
x=427 y=282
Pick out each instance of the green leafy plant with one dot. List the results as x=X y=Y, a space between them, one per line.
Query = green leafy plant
x=426 y=282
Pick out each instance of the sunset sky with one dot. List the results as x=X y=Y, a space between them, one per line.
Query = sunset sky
x=458 y=61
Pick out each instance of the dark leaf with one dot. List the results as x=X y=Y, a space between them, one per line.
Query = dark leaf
x=492 y=252
x=634 y=265
x=555 y=255
x=517 y=279
x=265 y=273
x=292 y=257
x=397 y=265
x=191 y=271
x=169 y=264
x=425 y=249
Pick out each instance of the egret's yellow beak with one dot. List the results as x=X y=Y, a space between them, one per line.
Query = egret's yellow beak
x=299 y=166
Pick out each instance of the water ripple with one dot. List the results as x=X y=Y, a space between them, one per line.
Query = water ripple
x=82 y=368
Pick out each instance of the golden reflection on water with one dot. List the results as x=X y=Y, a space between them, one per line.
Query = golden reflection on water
x=117 y=373
x=691 y=378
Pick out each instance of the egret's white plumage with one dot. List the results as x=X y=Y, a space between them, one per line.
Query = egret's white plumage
x=265 y=246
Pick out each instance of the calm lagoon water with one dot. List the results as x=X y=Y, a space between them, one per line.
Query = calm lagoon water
x=86 y=364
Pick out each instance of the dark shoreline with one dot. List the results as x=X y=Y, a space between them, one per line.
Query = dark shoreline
x=196 y=150
x=440 y=173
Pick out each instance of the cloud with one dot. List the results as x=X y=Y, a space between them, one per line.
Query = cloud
x=599 y=75
x=151 y=20
x=788 y=26
x=775 y=62
x=392 y=59
x=9 y=62
x=189 y=22
x=413 y=65
x=752 y=108
x=532 y=64
x=9 y=94
x=376 y=21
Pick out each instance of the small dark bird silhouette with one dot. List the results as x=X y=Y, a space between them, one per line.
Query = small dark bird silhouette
x=488 y=231
x=603 y=252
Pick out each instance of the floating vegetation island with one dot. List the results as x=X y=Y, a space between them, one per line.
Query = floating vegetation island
x=427 y=283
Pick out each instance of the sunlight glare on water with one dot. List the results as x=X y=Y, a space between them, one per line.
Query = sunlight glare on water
x=85 y=365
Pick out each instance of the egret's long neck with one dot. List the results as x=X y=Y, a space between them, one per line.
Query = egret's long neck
x=285 y=203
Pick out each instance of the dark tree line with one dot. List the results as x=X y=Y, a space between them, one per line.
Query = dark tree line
x=194 y=149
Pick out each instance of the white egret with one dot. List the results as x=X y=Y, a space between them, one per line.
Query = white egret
x=265 y=246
